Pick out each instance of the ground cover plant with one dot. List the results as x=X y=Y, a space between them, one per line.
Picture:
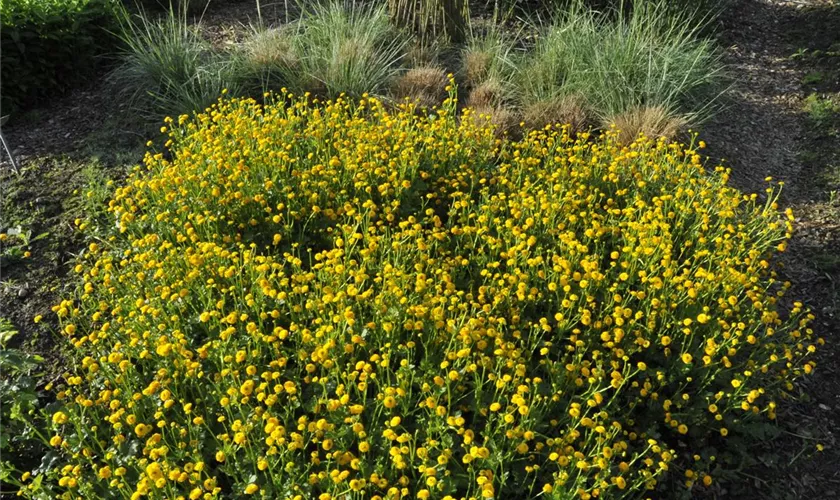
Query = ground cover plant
x=51 y=45
x=329 y=299
x=18 y=401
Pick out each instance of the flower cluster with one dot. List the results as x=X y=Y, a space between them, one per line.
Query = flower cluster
x=308 y=299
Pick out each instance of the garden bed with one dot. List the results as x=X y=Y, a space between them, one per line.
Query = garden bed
x=56 y=207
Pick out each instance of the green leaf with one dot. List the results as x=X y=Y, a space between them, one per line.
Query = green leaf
x=7 y=332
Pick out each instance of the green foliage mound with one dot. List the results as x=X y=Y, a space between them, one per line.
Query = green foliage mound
x=332 y=300
x=50 y=45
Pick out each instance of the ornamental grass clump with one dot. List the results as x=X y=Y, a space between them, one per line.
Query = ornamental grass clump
x=310 y=299
x=166 y=67
x=346 y=48
x=655 y=56
x=267 y=60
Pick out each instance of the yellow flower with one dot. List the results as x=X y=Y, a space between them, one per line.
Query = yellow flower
x=104 y=472
x=251 y=489
x=154 y=471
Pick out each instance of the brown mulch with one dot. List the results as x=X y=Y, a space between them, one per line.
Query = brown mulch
x=756 y=134
x=763 y=132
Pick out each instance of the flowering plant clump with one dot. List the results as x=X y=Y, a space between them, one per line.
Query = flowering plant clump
x=334 y=300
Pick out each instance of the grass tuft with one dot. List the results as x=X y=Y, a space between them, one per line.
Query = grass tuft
x=267 y=59
x=652 y=56
x=564 y=110
x=489 y=93
x=167 y=68
x=425 y=85
x=489 y=54
x=347 y=48
x=646 y=121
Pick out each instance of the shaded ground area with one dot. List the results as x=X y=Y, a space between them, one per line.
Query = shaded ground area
x=65 y=149
x=784 y=59
x=781 y=122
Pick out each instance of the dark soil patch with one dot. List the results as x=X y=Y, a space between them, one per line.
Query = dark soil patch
x=79 y=142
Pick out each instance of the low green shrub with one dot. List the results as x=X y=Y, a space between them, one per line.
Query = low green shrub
x=333 y=300
x=50 y=45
